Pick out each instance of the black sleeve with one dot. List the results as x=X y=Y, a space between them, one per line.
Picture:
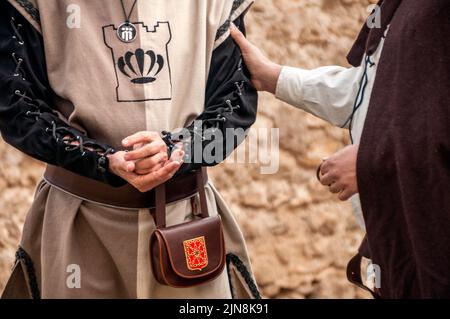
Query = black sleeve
x=27 y=121
x=231 y=103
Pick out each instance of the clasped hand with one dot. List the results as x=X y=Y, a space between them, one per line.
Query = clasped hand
x=147 y=164
x=338 y=172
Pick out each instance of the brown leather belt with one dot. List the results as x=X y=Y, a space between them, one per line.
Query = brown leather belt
x=127 y=196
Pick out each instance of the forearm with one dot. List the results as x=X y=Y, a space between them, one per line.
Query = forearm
x=230 y=109
x=31 y=127
x=327 y=92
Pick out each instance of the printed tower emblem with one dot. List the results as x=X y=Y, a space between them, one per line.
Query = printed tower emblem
x=142 y=66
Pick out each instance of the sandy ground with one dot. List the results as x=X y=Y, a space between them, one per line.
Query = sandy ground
x=299 y=236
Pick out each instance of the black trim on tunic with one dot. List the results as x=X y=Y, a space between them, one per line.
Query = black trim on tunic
x=22 y=255
x=226 y=25
x=234 y=260
x=30 y=9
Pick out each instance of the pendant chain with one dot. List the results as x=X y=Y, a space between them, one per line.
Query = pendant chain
x=127 y=17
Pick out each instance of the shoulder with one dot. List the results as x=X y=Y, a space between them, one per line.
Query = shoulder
x=230 y=10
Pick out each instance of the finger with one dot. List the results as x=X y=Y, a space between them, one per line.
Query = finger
x=146 y=151
x=326 y=165
x=149 y=170
x=125 y=166
x=167 y=171
x=160 y=176
x=177 y=155
x=335 y=188
x=327 y=179
x=318 y=172
x=150 y=162
x=138 y=145
x=345 y=194
x=239 y=37
x=140 y=137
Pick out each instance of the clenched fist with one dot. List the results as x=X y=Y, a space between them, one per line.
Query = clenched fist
x=338 y=172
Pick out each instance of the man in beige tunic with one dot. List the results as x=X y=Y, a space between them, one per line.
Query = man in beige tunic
x=98 y=91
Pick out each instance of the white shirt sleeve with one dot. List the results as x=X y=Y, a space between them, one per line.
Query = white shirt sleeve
x=326 y=92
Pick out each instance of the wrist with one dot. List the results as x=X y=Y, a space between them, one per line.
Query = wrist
x=110 y=175
x=270 y=77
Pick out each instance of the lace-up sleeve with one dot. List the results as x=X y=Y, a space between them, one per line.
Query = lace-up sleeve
x=27 y=121
x=230 y=110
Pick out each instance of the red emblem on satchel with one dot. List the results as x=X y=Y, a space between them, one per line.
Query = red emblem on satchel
x=196 y=254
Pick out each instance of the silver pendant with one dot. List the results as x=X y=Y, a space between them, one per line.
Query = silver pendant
x=127 y=32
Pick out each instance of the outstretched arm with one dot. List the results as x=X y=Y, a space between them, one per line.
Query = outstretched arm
x=327 y=92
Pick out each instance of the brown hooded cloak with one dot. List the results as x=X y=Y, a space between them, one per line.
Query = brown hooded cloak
x=403 y=164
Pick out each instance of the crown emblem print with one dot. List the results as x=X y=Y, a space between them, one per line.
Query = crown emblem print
x=141 y=67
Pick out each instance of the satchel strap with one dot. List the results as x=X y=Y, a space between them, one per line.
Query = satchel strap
x=201 y=192
x=354 y=275
x=160 y=194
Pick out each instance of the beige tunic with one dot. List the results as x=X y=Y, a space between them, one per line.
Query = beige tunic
x=107 y=247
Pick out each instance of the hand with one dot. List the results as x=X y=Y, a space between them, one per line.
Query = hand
x=338 y=172
x=149 y=151
x=125 y=169
x=264 y=73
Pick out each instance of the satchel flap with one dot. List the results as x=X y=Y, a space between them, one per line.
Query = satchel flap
x=196 y=248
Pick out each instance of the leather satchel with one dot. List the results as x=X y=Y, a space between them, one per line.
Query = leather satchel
x=188 y=254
